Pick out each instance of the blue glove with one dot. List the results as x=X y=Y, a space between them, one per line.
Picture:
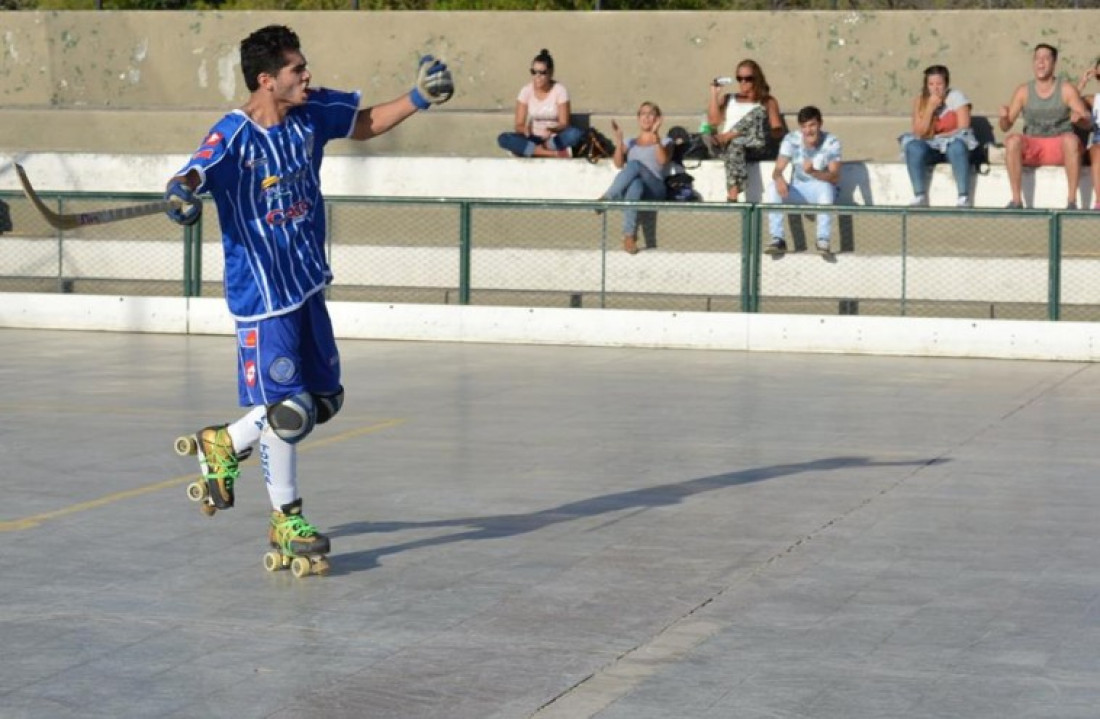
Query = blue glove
x=434 y=84
x=190 y=211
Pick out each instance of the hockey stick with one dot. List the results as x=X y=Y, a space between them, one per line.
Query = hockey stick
x=96 y=217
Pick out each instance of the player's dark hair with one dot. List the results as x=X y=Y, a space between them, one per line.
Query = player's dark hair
x=1044 y=46
x=264 y=51
x=545 y=59
x=809 y=113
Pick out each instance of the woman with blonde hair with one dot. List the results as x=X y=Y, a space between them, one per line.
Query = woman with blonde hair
x=643 y=163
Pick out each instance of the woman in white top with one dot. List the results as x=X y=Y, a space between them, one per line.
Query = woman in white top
x=1094 y=138
x=542 y=126
x=749 y=124
x=643 y=163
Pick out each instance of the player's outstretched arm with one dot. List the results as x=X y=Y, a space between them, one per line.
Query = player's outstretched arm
x=434 y=86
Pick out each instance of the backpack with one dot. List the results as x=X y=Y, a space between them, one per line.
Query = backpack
x=688 y=147
x=593 y=146
x=680 y=187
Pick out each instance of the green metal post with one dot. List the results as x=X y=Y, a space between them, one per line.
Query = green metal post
x=464 y=251
x=904 y=258
x=750 y=260
x=1054 y=291
x=186 y=236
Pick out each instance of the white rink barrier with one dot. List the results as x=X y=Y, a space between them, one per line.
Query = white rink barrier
x=999 y=339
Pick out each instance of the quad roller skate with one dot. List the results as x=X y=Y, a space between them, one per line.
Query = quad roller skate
x=218 y=463
x=295 y=543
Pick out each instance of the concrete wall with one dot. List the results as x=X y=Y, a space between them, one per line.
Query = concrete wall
x=154 y=81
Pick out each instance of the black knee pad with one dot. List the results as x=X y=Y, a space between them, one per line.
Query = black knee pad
x=328 y=404
x=292 y=418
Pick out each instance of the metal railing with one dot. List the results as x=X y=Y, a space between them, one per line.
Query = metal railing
x=890 y=261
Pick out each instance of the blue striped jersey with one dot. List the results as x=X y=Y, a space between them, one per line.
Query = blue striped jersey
x=266 y=185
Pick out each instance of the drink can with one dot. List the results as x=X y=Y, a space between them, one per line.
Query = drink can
x=706 y=128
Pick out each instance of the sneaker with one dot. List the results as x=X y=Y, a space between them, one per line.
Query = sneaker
x=919 y=201
x=1071 y=205
x=1096 y=206
x=963 y=201
x=823 y=246
x=776 y=247
x=1014 y=206
x=565 y=154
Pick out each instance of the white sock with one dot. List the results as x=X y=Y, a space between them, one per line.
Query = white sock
x=246 y=430
x=279 y=464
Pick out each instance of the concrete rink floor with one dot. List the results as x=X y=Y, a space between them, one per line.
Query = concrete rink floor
x=557 y=532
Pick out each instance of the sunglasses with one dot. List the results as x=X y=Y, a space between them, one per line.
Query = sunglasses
x=539 y=72
x=745 y=78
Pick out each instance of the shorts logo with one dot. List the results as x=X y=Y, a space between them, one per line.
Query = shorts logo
x=214 y=138
x=203 y=155
x=247 y=338
x=282 y=370
x=250 y=373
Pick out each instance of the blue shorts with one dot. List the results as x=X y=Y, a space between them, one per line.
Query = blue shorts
x=282 y=356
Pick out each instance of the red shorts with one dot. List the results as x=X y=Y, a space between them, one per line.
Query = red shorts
x=1040 y=151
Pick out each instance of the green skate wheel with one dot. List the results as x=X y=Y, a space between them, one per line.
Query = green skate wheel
x=300 y=567
x=186 y=445
x=273 y=562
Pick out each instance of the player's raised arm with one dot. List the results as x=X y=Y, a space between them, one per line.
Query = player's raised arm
x=434 y=86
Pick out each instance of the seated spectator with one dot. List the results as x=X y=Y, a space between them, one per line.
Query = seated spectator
x=644 y=163
x=815 y=158
x=749 y=124
x=542 y=116
x=941 y=132
x=1093 y=103
x=1051 y=108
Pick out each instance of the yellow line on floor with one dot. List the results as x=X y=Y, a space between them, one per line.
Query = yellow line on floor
x=37 y=519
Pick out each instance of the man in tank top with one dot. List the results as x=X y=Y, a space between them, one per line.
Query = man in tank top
x=1051 y=108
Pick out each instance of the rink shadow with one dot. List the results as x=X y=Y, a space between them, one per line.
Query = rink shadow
x=508 y=525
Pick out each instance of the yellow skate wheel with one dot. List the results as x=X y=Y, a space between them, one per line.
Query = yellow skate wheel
x=273 y=562
x=186 y=445
x=300 y=567
x=197 y=491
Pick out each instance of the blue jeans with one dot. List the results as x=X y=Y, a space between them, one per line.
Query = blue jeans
x=813 y=192
x=919 y=157
x=633 y=183
x=524 y=145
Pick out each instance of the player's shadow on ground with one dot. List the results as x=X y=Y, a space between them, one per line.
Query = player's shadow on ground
x=507 y=525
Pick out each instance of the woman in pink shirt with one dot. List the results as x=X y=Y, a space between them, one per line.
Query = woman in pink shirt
x=542 y=116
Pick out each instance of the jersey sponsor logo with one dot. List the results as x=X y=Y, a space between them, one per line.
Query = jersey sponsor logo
x=214 y=138
x=250 y=373
x=203 y=155
x=295 y=213
x=282 y=370
x=247 y=337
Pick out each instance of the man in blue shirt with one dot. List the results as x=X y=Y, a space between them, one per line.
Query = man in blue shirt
x=261 y=165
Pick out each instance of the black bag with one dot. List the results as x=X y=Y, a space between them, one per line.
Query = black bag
x=680 y=187
x=689 y=149
x=594 y=146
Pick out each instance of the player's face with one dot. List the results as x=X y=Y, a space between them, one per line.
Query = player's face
x=292 y=81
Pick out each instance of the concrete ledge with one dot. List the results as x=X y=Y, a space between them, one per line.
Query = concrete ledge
x=1000 y=339
x=443 y=132
x=862 y=183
